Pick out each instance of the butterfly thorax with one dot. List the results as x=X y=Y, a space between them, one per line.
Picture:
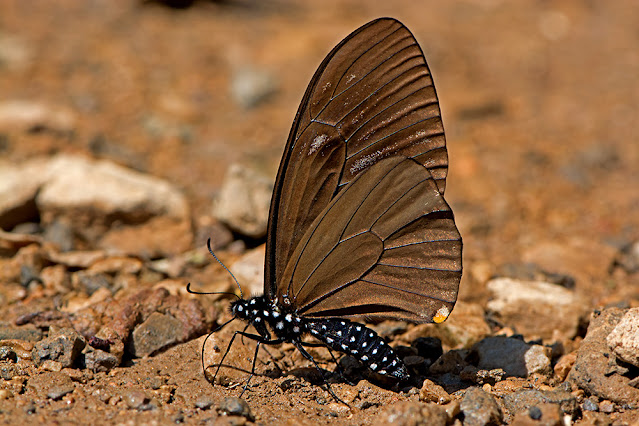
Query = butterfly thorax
x=269 y=317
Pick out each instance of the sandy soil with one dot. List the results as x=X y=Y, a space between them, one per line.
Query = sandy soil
x=539 y=101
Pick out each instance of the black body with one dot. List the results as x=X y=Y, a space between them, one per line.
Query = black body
x=339 y=334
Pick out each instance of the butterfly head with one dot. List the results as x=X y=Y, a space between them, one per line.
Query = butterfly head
x=240 y=308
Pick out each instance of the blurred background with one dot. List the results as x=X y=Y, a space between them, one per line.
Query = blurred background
x=539 y=101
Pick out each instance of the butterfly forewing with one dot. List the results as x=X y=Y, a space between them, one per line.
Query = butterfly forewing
x=371 y=98
x=385 y=247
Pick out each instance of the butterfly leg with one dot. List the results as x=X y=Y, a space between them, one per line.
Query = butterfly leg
x=260 y=340
x=255 y=337
x=257 y=348
x=340 y=371
x=309 y=357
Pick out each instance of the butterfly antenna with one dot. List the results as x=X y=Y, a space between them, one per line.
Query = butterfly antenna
x=208 y=245
x=188 y=286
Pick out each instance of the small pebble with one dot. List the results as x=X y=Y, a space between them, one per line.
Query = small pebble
x=606 y=406
x=534 y=413
x=589 y=405
x=135 y=399
x=235 y=407
x=57 y=392
x=204 y=402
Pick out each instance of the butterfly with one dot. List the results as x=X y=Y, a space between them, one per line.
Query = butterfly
x=359 y=229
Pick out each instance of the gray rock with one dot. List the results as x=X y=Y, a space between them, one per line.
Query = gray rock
x=624 y=338
x=56 y=392
x=251 y=86
x=480 y=408
x=157 y=332
x=523 y=400
x=244 y=200
x=89 y=282
x=63 y=346
x=235 y=407
x=595 y=370
x=98 y=360
x=514 y=356
x=536 y=309
x=249 y=271
x=589 y=405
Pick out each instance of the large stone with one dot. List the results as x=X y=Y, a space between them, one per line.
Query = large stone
x=624 y=338
x=88 y=190
x=595 y=370
x=106 y=190
x=480 y=408
x=536 y=309
x=63 y=346
x=157 y=332
x=244 y=200
x=514 y=356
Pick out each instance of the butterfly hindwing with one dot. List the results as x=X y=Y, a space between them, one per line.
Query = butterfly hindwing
x=385 y=247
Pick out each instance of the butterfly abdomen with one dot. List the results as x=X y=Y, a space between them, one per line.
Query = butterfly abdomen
x=360 y=342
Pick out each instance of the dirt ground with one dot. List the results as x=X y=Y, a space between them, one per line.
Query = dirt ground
x=540 y=106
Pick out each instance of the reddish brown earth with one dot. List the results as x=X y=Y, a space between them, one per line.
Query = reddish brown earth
x=540 y=105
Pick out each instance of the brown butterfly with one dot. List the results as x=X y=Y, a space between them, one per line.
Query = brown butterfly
x=358 y=227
